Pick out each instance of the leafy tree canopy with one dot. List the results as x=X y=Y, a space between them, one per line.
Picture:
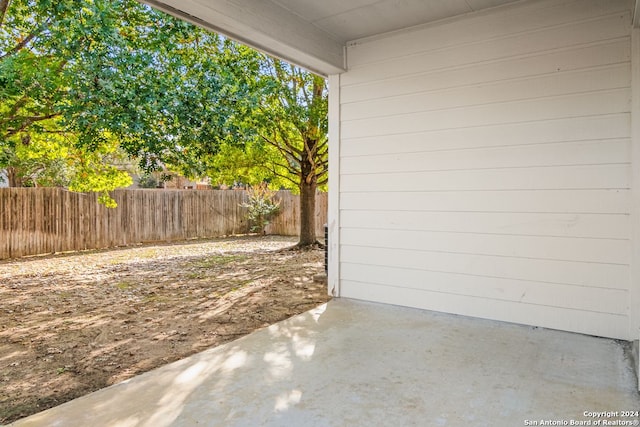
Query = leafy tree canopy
x=290 y=147
x=283 y=140
x=80 y=78
x=52 y=159
x=86 y=73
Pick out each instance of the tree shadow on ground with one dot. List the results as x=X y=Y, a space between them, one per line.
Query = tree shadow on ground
x=81 y=323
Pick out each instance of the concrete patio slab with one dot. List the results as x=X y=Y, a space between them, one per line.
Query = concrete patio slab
x=351 y=363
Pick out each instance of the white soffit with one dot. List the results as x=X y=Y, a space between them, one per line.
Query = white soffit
x=354 y=19
x=313 y=33
x=264 y=26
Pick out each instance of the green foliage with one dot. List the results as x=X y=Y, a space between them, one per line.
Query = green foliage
x=148 y=181
x=293 y=120
x=66 y=87
x=36 y=162
x=261 y=207
x=98 y=71
x=55 y=160
x=84 y=77
x=288 y=144
x=95 y=171
x=251 y=163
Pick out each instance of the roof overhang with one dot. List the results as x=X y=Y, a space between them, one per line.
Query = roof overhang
x=264 y=26
x=314 y=33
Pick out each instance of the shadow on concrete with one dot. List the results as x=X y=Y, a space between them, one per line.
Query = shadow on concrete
x=350 y=363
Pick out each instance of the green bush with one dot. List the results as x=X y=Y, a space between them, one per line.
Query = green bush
x=261 y=207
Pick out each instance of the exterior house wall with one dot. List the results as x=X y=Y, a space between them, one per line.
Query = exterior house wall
x=485 y=166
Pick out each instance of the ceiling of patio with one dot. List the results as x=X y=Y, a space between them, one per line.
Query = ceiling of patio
x=313 y=33
x=347 y=20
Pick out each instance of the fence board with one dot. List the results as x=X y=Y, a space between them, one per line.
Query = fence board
x=46 y=220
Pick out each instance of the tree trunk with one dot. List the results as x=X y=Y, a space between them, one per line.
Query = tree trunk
x=307 y=212
x=13 y=177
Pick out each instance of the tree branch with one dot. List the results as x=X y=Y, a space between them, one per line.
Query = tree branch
x=284 y=177
x=321 y=170
x=311 y=151
x=302 y=87
x=322 y=164
x=25 y=41
x=289 y=159
x=4 y=5
x=289 y=168
x=286 y=142
x=286 y=150
x=323 y=150
x=14 y=109
x=19 y=46
x=29 y=121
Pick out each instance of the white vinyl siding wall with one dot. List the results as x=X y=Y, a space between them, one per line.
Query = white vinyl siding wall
x=485 y=166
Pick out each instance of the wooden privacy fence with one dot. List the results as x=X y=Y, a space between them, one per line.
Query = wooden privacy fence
x=45 y=220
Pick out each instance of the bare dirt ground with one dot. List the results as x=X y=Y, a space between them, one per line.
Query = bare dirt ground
x=74 y=323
